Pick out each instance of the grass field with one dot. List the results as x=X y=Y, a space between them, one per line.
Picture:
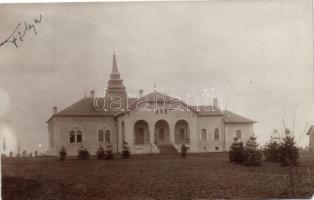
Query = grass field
x=200 y=176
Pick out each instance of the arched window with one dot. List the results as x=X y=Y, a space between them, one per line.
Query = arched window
x=100 y=136
x=203 y=134
x=79 y=136
x=216 y=133
x=182 y=134
x=72 y=137
x=107 y=136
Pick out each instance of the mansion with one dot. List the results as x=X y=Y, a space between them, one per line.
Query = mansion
x=150 y=123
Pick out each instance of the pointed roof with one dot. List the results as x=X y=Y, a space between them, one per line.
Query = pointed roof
x=115 y=83
x=114 y=65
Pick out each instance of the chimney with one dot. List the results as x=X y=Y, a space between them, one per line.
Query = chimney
x=92 y=94
x=141 y=93
x=55 y=109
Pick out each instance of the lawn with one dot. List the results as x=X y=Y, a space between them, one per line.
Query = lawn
x=200 y=176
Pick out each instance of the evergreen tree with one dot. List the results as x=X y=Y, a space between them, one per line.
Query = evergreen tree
x=288 y=151
x=109 y=154
x=272 y=151
x=83 y=153
x=252 y=154
x=125 y=151
x=62 y=154
x=100 y=152
x=236 y=153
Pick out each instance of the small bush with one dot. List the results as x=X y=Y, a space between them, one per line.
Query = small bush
x=83 y=154
x=125 y=151
x=100 y=152
x=62 y=154
x=109 y=153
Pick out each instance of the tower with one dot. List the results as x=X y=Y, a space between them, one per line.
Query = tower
x=116 y=93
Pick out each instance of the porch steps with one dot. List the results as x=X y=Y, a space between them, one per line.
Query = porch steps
x=167 y=149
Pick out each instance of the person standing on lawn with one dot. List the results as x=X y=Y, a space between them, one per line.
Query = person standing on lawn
x=183 y=150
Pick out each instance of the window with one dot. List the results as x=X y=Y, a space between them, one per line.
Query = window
x=238 y=134
x=216 y=148
x=182 y=134
x=161 y=134
x=79 y=136
x=72 y=137
x=100 y=135
x=107 y=136
x=216 y=134
x=203 y=134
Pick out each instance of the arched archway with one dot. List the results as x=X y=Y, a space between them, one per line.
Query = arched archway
x=162 y=133
x=182 y=132
x=141 y=132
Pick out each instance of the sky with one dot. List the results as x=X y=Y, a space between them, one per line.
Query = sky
x=257 y=55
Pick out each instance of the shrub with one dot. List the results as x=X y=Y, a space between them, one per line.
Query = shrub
x=288 y=151
x=109 y=154
x=100 y=152
x=272 y=151
x=236 y=153
x=62 y=154
x=252 y=155
x=83 y=154
x=125 y=151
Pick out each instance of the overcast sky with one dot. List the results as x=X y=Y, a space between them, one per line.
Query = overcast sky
x=258 y=55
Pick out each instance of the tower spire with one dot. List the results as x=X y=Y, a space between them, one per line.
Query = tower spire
x=115 y=83
x=114 y=64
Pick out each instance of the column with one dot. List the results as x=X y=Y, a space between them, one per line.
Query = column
x=172 y=132
x=151 y=132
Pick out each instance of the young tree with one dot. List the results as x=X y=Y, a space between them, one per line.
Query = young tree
x=252 y=154
x=288 y=151
x=62 y=154
x=24 y=154
x=272 y=151
x=125 y=151
x=100 y=152
x=236 y=153
x=83 y=153
x=109 y=154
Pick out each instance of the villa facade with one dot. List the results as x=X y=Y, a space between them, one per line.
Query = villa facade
x=150 y=123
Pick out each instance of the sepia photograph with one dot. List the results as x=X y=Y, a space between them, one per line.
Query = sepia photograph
x=146 y=100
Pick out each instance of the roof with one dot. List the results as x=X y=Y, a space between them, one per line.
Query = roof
x=85 y=107
x=311 y=129
x=230 y=117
